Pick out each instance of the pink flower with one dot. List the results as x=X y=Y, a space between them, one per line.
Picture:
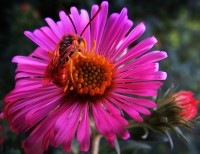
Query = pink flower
x=188 y=103
x=59 y=98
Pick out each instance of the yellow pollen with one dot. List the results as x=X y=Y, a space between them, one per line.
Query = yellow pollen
x=90 y=73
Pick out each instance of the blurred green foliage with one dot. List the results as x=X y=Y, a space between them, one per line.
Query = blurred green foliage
x=175 y=23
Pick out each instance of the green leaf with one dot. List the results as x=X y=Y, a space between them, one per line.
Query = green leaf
x=180 y=134
x=170 y=139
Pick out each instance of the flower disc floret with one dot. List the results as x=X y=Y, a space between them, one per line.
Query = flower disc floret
x=91 y=74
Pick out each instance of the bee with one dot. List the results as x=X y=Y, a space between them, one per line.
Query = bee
x=56 y=70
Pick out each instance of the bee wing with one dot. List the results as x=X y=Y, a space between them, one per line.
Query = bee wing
x=51 y=68
x=67 y=53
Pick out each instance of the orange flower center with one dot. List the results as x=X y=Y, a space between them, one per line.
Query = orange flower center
x=90 y=73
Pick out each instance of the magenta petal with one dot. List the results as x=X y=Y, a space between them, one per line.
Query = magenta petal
x=108 y=33
x=138 y=71
x=111 y=108
x=140 y=101
x=30 y=70
x=140 y=85
x=76 y=19
x=95 y=25
x=29 y=114
x=28 y=61
x=71 y=130
x=113 y=50
x=45 y=39
x=39 y=132
x=150 y=57
x=104 y=120
x=110 y=37
x=61 y=127
x=85 y=20
x=98 y=25
x=36 y=40
x=37 y=114
x=83 y=132
x=66 y=23
x=100 y=122
x=124 y=106
x=41 y=54
x=54 y=27
x=146 y=92
x=145 y=77
x=136 y=51
x=50 y=34
x=134 y=35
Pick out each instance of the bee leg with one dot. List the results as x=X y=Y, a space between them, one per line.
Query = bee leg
x=74 y=45
x=50 y=53
x=81 y=55
x=71 y=69
x=85 y=42
x=93 y=46
x=66 y=86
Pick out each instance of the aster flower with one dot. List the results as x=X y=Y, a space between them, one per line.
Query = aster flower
x=59 y=100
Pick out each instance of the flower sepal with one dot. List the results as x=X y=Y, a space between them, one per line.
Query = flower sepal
x=169 y=116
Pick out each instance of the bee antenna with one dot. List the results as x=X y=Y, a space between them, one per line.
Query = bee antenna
x=90 y=21
x=72 y=23
x=63 y=8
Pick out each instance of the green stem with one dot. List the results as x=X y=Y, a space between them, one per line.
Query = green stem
x=95 y=143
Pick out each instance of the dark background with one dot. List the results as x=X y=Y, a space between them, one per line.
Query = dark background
x=175 y=23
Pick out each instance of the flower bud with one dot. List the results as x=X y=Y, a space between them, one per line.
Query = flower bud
x=186 y=101
x=173 y=110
